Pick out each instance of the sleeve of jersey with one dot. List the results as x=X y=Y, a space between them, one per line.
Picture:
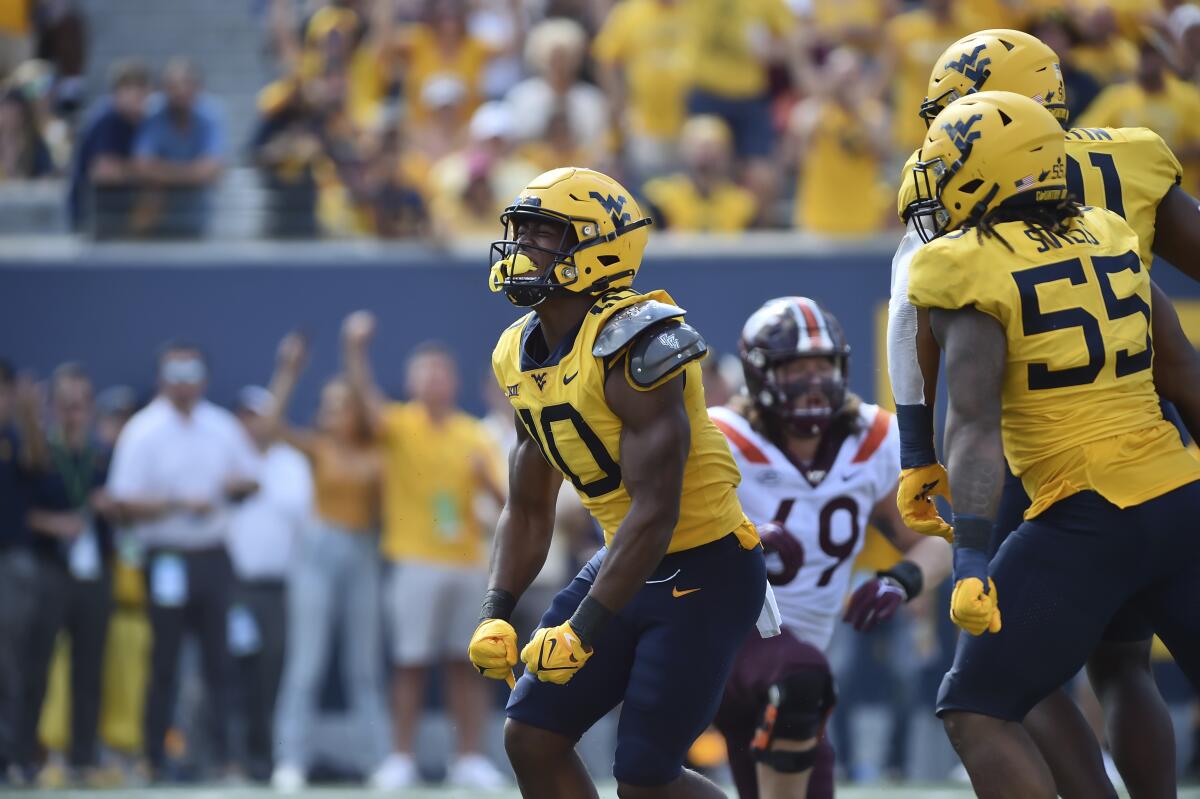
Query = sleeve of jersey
x=908 y=187
x=938 y=281
x=1158 y=167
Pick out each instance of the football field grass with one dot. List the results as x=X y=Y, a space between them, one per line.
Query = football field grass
x=350 y=792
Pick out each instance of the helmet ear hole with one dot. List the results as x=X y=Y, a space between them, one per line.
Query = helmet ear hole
x=970 y=186
x=608 y=260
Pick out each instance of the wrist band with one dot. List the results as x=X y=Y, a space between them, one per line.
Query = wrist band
x=589 y=618
x=497 y=604
x=972 y=532
x=910 y=577
x=916 y=435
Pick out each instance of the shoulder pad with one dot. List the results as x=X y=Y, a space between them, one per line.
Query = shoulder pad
x=624 y=325
x=662 y=350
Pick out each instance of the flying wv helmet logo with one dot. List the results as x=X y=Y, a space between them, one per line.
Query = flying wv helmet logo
x=974 y=68
x=961 y=135
x=615 y=207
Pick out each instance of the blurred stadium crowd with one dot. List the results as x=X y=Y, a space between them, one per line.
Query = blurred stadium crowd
x=410 y=118
x=415 y=119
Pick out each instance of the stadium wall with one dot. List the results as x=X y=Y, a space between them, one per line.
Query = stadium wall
x=111 y=312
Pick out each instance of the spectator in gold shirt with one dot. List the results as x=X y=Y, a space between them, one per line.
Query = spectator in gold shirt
x=1157 y=100
x=703 y=198
x=643 y=66
x=841 y=140
x=334 y=579
x=914 y=40
x=437 y=459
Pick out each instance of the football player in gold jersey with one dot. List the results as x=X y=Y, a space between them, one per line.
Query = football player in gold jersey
x=1132 y=172
x=1042 y=308
x=606 y=386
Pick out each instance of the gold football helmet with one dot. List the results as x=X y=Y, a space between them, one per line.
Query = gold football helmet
x=997 y=60
x=984 y=151
x=604 y=235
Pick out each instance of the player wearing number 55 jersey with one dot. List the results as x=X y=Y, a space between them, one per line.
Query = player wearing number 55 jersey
x=817 y=466
x=1133 y=173
x=606 y=388
x=1042 y=308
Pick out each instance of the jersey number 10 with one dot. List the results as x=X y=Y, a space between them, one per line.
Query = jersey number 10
x=610 y=477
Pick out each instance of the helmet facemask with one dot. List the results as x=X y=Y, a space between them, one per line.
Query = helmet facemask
x=788 y=400
x=512 y=268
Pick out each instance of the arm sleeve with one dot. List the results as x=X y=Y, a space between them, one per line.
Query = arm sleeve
x=908 y=387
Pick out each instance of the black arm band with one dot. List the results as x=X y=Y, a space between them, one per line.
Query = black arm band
x=497 y=604
x=910 y=577
x=972 y=532
x=589 y=619
x=916 y=435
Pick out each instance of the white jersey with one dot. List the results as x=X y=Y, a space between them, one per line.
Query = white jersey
x=826 y=511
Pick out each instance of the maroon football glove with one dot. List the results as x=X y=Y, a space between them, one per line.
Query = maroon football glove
x=785 y=553
x=874 y=602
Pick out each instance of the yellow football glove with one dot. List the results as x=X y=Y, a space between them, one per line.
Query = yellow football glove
x=973 y=609
x=493 y=650
x=554 y=654
x=914 y=498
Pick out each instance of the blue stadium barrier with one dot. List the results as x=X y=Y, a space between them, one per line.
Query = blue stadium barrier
x=112 y=316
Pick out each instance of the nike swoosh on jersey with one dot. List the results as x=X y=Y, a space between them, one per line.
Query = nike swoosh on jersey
x=675 y=592
x=848 y=477
x=568 y=378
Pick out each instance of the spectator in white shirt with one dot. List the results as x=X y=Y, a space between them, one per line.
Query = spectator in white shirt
x=261 y=534
x=555 y=51
x=179 y=467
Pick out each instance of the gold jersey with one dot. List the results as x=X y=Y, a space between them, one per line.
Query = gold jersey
x=1126 y=170
x=1079 y=407
x=561 y=403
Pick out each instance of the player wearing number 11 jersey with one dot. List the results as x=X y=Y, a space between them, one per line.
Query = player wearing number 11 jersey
x=606 y=387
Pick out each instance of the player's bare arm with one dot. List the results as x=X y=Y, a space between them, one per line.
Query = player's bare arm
x=357 y=330
x=1177 y=231
x=926 y=563
x=655 y=438
x=526 y=524
x=1176 y=362
x=976 y=350
x=522 y=540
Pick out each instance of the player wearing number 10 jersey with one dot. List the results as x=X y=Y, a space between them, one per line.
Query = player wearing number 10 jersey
x=817 y=466
x=606 y=387
x=1042 y=308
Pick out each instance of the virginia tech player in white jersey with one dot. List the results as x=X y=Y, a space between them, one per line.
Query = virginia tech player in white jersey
x=825 y=508
x=818 y=465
